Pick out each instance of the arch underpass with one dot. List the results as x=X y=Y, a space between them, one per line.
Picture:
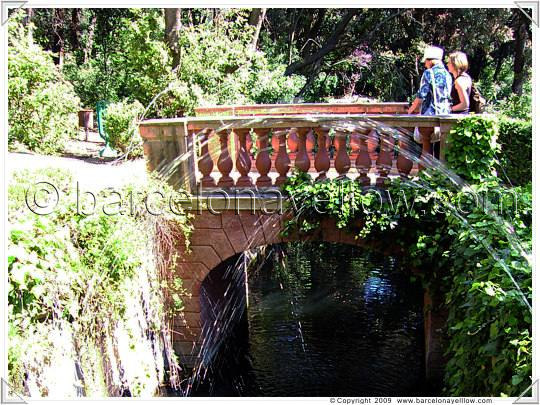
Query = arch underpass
x=218 y=237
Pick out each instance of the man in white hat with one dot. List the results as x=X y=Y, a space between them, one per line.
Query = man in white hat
x=435 y=90
x=434 y=94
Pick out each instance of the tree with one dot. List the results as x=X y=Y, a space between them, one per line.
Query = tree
x=173 y=25
x=520 y=25
x=256 y=18
x=328 y=46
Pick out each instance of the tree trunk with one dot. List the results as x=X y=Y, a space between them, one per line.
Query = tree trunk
x=59 y=35
x=313 y=32
x=173 y=24
x=90 y=41
x=76 y=29
x=28 y=23
x=256 y=18
x=327 y=47
x=292 y=34
x=520 y=36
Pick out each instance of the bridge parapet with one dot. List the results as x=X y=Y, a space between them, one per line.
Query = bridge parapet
x=248 y=152
x=252 y=149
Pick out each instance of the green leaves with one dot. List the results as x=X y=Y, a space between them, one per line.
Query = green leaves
x=79 y=270
x=121 y=127
x=42 y=107
x=515 y=157
x=472 y=147
x=468 y=257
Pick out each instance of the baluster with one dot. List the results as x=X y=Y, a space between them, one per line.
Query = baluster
x=243 y=161
x=275 y=146
x=274 y=142
x=283 y=163
x=446 y=127
x=206 y=165
x=322 y=160
x=292 y=142
x=403 y=163
x=249 y=144
x=342 y=162
x=363 y=160
x=263 y=162
x=225 y=163
x=384 y=161
x=426 y=133
x=302 y=161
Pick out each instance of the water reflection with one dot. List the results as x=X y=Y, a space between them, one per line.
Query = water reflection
x=323 y=320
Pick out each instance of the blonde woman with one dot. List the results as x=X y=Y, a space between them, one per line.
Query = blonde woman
x=461 y=90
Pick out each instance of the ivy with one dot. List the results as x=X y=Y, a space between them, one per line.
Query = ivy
x=472 y=147
x=515 y=157
x=475 y=240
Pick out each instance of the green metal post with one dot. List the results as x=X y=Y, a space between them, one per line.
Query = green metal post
x=107 y=151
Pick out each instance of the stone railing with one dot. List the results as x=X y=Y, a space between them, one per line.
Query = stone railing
x=306 y=108
x=242 y=151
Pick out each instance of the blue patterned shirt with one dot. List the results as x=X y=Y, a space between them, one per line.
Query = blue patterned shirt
x=443 y=89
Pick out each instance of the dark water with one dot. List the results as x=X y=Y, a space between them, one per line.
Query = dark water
x=323 y=320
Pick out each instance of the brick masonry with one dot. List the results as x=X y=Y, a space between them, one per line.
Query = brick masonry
x=218 y=237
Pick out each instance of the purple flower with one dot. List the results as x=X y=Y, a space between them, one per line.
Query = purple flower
x=360 y=57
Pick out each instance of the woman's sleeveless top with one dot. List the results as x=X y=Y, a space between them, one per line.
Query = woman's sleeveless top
x=455 y=95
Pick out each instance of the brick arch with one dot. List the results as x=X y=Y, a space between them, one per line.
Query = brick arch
x=215 y=239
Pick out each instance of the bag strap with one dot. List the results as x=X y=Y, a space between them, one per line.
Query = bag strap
x=433 y=88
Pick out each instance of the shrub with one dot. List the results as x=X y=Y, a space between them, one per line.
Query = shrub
x=472 y=147
x=217 y=66
x=89 y=82
x=515 y=157
x=120 y=122
x=270 y=85
x=76 y=274
x=515 y=106
x=42 y=107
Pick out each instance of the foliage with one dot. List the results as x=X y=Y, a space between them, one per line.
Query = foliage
x=498 y=93
x=474 y=239
x=114 y=54
x=519 y=107
x=120 y=122
x=515 y=157
x=395 y=39
x=219 y=68
x=42 y=107
x=131 y=62
x=468 y=250
x=472 y=147
x=90 y=83
x=75 y=269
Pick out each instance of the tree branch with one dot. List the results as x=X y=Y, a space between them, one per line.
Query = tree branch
x=327 y=47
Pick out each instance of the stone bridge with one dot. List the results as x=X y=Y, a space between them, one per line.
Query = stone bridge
x=235 y=183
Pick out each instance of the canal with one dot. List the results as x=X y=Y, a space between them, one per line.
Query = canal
x=322 y=320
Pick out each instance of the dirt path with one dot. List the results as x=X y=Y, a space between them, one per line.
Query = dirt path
x=90 y=173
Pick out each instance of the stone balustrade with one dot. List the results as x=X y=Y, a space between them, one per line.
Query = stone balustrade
x=261 y=151
x=305 y=108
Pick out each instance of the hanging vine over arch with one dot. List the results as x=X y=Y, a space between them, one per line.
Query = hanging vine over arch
x=476 y=239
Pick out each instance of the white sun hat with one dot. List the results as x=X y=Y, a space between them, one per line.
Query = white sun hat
x=433 y=52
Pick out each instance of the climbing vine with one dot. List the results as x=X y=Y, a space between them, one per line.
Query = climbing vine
x=474 y=241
